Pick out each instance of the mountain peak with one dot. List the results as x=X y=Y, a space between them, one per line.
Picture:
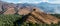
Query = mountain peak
x=44 y=3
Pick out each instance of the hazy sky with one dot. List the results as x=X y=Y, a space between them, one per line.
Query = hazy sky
x=32 y=1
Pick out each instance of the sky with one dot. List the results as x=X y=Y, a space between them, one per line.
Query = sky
x=32 y=1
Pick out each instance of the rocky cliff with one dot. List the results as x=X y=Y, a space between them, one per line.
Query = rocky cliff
x=34 y=14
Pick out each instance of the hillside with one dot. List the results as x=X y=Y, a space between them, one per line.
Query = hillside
x=45 y=6
x=31 y=13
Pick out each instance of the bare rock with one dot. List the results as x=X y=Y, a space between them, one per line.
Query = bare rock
x=24 y=11
x=39 y=17
x=10 y=10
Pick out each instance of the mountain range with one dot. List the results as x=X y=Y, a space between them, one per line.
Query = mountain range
x=45 y=6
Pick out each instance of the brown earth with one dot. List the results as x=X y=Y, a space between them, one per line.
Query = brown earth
x=10 y=10
x=24 y=11
x=38 y=17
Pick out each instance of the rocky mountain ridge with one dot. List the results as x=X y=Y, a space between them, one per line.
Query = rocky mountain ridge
x=35 y=14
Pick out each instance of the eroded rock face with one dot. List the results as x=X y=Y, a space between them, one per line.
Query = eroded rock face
x=46 y=18
x=10 y=10
x=24 y=11
x=38 y=17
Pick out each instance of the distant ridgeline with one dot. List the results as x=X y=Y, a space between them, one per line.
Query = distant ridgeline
x=30 y=13
x=45 y=6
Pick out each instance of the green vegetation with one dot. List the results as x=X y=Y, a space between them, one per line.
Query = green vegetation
x=56 y=15
x=30 y=24
x=8 y=20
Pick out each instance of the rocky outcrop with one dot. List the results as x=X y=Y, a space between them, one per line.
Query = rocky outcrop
x=39 y=17
x=24 y=11
x=7 y=8
x=10 y=9
x=36 y=16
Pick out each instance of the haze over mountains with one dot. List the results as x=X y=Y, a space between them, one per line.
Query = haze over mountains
x=45 y=6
